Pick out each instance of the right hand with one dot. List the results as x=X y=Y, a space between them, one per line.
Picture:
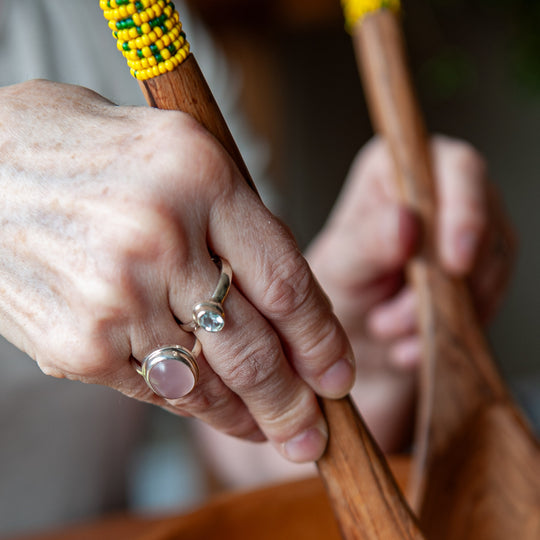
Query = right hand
x=107 y=216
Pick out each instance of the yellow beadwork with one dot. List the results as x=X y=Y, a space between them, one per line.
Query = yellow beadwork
x=148 y=33
x=356 y=10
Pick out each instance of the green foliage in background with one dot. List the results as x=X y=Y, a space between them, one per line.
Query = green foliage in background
x=450 y=71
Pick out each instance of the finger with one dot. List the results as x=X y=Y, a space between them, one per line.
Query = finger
x=248 y=357
x=278 y=282
x=395 y=318
x=210 y=400
x=406 y=353
x=461 y=181
x=363 y=253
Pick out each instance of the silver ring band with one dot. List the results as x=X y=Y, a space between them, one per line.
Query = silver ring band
x=210 y=315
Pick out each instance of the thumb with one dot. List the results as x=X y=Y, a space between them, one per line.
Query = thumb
x=365 y=248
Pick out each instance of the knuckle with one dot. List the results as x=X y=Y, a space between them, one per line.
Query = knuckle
x=154 y=231
x=320 y=343
x=187 y=147
x=81 y=358
x=469 y=162
x=289 y=283
x=255 y=364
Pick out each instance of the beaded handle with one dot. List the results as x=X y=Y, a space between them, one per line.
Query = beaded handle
x=355 y=11
x=149 y=35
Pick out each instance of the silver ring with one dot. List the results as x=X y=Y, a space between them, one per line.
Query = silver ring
x=209 y=315
x=171 y=371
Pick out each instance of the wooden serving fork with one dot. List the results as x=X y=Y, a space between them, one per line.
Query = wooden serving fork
x=477 y=464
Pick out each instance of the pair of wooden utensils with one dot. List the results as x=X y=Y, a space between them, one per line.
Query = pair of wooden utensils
x=476 y=469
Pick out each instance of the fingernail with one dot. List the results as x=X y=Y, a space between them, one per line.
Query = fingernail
x=308 y=446
x=338 y=379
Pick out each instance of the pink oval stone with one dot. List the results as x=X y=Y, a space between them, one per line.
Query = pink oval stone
x=171 y=379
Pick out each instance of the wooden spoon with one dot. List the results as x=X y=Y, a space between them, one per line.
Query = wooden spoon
x=477 y=463
x=364 y=495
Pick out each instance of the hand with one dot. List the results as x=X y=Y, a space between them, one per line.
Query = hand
x=360 y=255
x=108 y=214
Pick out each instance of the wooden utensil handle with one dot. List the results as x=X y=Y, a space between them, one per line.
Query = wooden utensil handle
x=185 y=89
x=364 y=495
x=448 y=322
x=361 y=488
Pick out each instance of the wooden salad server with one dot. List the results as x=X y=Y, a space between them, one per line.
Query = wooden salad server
x=477 y=465
x=365 y=497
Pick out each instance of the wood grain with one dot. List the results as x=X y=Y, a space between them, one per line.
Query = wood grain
x=375 y=507
x=470 y=437
x=365 y=496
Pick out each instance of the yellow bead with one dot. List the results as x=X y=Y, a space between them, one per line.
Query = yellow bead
x=356 y=10
x=162 y=68
x=165 y=54
x=145 y=28
x=136 y=19
x=133 y=33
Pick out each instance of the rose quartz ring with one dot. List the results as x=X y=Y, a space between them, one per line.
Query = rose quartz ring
x=171 y=371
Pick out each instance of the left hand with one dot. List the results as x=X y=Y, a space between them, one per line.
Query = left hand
x=360 y=255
